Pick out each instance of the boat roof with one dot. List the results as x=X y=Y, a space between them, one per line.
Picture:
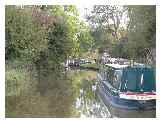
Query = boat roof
x=117 y=66
x=121 y=66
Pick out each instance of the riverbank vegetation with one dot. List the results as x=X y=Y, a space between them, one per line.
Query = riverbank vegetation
x=125 y=32
x=39 y=39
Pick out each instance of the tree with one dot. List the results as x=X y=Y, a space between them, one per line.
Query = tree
x=107 y=16
x=106 y=22
x=141 y=30
x=85 y=38
x=25 y=37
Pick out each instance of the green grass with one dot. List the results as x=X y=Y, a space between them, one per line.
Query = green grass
x=15 y=82
x=93 y=66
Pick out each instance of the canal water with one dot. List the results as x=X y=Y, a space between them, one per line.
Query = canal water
x=87 y=102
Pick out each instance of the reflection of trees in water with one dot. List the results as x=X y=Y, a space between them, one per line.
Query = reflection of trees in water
x=53 y=96
x=59 y=92
x=88 y=102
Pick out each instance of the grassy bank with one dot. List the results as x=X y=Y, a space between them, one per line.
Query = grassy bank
x=89 y=66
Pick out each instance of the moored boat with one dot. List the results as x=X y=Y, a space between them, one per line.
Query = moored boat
x=128 y=91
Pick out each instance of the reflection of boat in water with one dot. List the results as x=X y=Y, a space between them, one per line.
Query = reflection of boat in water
x=128 y=91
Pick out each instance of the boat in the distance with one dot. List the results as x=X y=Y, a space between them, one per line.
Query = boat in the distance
x=128 y=91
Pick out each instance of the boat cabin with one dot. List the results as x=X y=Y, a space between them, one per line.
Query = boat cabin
x=126 y=89
x=124 y=78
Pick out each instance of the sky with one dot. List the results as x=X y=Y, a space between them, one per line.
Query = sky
x=84 y=9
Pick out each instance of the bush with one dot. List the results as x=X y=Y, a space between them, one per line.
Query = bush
x=14 y=81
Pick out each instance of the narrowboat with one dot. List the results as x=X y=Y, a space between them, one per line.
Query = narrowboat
x=128 y=91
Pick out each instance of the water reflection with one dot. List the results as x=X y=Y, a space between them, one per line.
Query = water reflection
x=91 y=107
x=87 y=102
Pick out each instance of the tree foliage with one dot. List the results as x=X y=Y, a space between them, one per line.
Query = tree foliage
x=25 y=38
x=141 y=30
x=107 y=16
x=126 y=31
x=33 y=30
x=106 y=22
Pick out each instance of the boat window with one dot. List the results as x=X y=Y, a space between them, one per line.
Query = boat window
x=107 y=74
x=110 y=75
x=117 y=79
x=104 y=73
x=101 y=71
